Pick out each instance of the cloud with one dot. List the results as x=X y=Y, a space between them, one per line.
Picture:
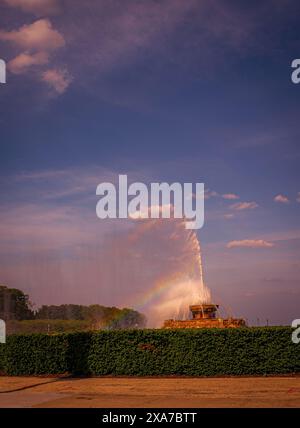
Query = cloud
x=152 y=210
x=240 y=206
x=116 y=34
x=250 y=243
x=230 y=196
x=38 y=7
x=39 y=36
x=228 y=216
x=113 y=35
x=58 y=79
x=21 y=63
x=210 y=194
x=39 y=39
x=298 y=197
x=282 y=199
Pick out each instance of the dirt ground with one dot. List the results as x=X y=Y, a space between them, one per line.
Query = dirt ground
x=150 y=392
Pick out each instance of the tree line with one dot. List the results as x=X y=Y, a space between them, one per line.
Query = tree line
x=15 y=305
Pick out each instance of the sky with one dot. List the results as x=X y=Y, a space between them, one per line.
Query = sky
x=169 y=90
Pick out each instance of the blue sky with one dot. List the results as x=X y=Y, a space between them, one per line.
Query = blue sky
x=163 y=91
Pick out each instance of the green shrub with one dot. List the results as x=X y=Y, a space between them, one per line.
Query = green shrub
x=34 y=354
x=202 y=352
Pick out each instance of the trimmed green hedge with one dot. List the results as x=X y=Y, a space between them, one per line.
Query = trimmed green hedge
x=34 y=354
x=203 y=352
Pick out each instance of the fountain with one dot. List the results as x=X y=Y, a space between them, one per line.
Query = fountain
x=203 y=313
x=205 y=316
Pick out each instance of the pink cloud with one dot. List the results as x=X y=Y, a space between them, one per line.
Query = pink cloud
x=250 y=243
x=42 y=38
x=230 y=196
x=210 y=194
x=240 y=206
x=282 y=199
x=38 y=36
x=23 y=62
x=57 y=79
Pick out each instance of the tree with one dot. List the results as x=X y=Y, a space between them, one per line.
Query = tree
x=128 y=318
x=101 y=316
x=14 y=304
x=62 y=312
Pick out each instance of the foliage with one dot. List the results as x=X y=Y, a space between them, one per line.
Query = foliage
x=14 y=304
x=61 y=312
x=47 y=326
x=202 y=352
x=34 y=354
x=127 y=318
x=102 y=316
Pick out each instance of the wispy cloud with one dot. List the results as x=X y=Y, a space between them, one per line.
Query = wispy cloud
x=213 y=194
x=229 y=216
x=250 y=243
x=240 y=206
x=38 y=7
x=298 y=197
x=282 y=199
x=210 y=194
x=59 y=79
x=230 y=196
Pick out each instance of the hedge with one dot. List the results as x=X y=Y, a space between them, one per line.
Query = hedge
x=202 y=352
